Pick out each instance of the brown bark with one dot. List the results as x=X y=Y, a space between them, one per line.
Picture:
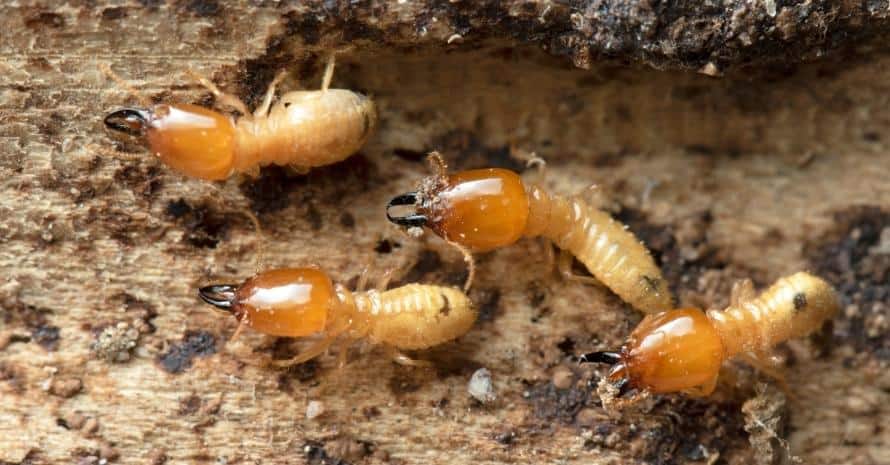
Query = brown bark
x=780 y=165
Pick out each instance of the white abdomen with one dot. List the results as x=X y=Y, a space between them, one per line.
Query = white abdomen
x=306 y=129
x=417 y=316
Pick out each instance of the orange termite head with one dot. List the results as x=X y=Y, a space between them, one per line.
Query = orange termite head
x=479 y=209
x=190 y=139
x=678 y=350
x=290 y=302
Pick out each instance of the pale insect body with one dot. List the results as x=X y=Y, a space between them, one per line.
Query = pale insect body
x=296 y=302
x=610 y=251
x=683 y=349
x=490 y=208
x=304 y=129
x=416 y=316
x=793 y=307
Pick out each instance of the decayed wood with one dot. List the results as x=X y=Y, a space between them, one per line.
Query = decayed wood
x=105 y=353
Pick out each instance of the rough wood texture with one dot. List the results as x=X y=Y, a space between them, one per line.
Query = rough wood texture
x=105 y=353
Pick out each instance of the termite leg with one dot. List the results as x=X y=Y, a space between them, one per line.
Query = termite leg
x=263 y=109
x=363 y=278
x=402 y=359
x=342 y=355
x=702 y=391
x=298 y=170
x=382 y=282
x=222 y=97
x=595 y=196
x=252 y=172
x=565 y=269
x=742 y=291
x=768 y=366
x=549 y=255
x=328 y=73
x=385 y=278
x=313 y=351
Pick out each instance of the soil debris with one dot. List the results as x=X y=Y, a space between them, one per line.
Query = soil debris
x=317 y=455
x=551 y=403
x=480 y=386
x=115 y=343
x=314 y=409
x=765 y=422
x=204 y=226
x=65 y=387
x=46 y=336
x=854 y=258
x=195 y=344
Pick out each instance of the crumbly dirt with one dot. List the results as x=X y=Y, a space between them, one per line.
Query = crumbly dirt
x=765 y=422
x=855 y=257
x=776 y=159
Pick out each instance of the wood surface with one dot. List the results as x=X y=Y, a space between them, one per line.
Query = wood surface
x=770 y=159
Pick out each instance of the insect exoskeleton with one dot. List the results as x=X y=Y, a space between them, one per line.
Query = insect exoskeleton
x=304 y=129
x=682 y=350
x=484 y=209
x=297 y=302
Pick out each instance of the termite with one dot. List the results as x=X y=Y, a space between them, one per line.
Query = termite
x=682 y=350
x=484 y=209
x=304 y=129
x=298 y=302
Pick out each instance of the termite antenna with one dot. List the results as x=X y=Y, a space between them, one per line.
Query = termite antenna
x=410 y=220
x=106 y=70
x=258 y=227
x=131 y=121
x=609 y=358
x=221 y=296
x=437 y=163
x=471 y=264
x=114 y=153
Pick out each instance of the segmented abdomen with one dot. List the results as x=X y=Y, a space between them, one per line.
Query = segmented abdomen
x=417 y=316
x=606 y=247
x=794 y=306
x=306 y=129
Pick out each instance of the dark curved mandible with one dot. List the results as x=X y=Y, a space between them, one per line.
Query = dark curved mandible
x=609 y=358
x=127 y=120
x=412 y=220
x=221 y=296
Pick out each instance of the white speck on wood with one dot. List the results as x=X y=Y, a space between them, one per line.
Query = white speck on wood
x=314 y=409
x=480 y=386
